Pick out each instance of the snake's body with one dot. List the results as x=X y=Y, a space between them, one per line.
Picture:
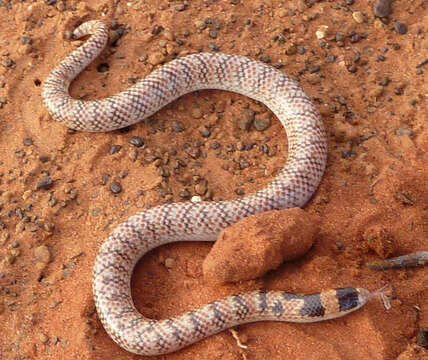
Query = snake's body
x=188 y=221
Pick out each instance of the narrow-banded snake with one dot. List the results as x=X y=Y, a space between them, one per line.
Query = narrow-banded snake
x=187 y=221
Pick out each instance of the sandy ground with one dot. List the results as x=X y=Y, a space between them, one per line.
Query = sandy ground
x=362 y=74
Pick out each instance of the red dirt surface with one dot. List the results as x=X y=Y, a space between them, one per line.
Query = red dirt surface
x=369 y=83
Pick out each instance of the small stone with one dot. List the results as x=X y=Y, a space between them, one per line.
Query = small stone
x=115 y=187
x=382 y=8
x=10 y=259
x=205 y=132
x=201 y=188
x=156 y=58
x=321 y=33
x=384 y=81
x=261 y=123
x=314 y=69
x=26 y=194
x=137 y=141
x=169 y=35
x=45 y=183
x=114 y=149
x=180 y=7
x=43 y=338
x=8 y=62
x=404 y=131
x=197 y=113
x=358 y=17
x=169 y=263
x=28 y=141
x=422 y=338
x=26 y=40
x=246 y=119
x=42 y=254
x=177 y=126
x=185 y=194
x=44 y=158
x=400 y=28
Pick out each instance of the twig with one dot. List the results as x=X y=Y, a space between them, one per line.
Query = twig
x=418 y=258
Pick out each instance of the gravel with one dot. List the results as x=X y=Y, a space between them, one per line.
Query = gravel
x=382 y=8
x=45 y=183
x=137 y=141
x=114 y=149
x=400 y=28
x=115 y=187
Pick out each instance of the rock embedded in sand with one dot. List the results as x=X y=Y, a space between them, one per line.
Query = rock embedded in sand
x=382 y=8
x=260 y=243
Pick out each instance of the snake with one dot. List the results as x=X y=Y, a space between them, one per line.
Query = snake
x=293 y=186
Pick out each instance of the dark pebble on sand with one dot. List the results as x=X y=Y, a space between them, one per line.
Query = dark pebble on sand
x=400 y=28
x=115 y=149
x=45 y=183
x=137 y=141
x=382 y=8
x=28 y=141
x=422 y=338
x=115 y=187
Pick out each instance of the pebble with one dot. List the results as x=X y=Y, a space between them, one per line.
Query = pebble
x=169 y=263
x=137 y=141
x=115 y=187
x=185 y=194
x=246 y=119
x=42 y=254
x=201 y=188
x=382 y=8
x=45 y=183
x=28 y=141
x=43 y=338
x=44 y=158
x=196 y=113
x=321 y=33
x=314 y=69
x=384 y=81
x=10 y=259
x=114 y=149
x=358 y=17
x=400 y=28
x=180 y=7
x=261 y=123
x=8 y=62
x=422 y=338
x=156 y=58
x=177 y=126
x=240 y=191
x=205 y=132
x=404 y=131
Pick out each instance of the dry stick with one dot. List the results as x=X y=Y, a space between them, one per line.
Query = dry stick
x=418 y=258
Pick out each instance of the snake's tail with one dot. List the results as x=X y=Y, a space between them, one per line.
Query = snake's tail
x=383 y=295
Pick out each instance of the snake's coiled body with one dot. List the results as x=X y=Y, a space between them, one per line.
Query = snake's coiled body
x=189 y=221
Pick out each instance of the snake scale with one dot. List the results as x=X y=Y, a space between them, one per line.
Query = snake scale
x=188 y=221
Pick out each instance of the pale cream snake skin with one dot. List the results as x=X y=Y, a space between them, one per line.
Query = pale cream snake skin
x=188 y=221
